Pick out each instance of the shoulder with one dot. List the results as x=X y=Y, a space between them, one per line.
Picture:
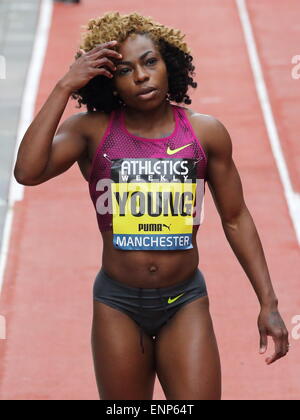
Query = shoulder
x=87 y=124
x=85 y=121
x=211 y=131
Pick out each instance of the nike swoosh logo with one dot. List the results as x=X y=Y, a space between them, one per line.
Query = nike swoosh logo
x=170 y=300
x=173 y=151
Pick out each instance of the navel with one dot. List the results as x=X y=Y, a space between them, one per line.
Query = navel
x=153 y=268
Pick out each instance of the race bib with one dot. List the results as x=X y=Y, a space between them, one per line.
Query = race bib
x=152 y=203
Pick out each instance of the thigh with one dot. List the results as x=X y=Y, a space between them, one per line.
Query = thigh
x=122 y=370
x=187 y=357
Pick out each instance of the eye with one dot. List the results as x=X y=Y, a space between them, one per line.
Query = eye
x=152 y=60
x=122 y=71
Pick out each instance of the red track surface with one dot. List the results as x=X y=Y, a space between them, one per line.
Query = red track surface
x=55 y=248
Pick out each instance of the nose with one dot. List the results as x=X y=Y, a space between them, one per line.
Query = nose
x=140 y=75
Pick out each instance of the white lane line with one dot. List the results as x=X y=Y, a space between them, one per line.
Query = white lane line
x=292 y=197
x=16 y=191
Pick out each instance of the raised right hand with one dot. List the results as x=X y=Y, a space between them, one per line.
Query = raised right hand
x=90 y=64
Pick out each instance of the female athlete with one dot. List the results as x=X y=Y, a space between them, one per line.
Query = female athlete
x=146 y=161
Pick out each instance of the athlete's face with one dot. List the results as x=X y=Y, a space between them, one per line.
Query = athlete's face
x=141 y=67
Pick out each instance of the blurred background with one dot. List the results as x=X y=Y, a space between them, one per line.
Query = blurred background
x=247 y=60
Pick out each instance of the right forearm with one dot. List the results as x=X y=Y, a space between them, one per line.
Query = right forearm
x=35 y=147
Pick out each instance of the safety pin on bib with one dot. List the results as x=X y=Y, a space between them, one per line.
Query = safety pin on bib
x=200 y=158
x=106 y=156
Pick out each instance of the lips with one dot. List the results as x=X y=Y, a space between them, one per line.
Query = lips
x=145 y=90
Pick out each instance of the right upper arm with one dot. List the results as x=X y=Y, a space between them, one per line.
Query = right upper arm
x=68 y=145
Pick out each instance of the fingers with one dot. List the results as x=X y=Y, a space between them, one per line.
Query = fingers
x=97 y=58
x=100 y=47
x=101 y=58
x=105 y=52
x=102 y=71
x=281 y=346
x=104 y=62
x=263 y=345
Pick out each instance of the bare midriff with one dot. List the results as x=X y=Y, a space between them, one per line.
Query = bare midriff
x=148 y=269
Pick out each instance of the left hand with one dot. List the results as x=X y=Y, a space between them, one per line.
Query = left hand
x=271 y=323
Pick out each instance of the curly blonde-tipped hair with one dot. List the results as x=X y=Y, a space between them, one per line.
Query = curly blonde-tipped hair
x=113 y=26
x=169 y=41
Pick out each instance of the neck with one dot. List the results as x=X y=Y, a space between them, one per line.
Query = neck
x=147 y=119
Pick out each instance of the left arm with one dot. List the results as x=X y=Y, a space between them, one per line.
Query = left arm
x=225 y=185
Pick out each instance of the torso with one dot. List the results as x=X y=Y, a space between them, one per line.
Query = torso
x=147 y=269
